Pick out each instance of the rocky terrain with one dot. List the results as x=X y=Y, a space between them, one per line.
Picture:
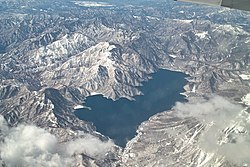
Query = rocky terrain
x=55 y=54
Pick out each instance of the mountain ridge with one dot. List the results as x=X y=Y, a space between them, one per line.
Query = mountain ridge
x=51 y=60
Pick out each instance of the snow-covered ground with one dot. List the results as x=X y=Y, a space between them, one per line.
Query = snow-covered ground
x=92 y=4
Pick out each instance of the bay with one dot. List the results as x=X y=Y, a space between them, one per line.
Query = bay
x=119 y=119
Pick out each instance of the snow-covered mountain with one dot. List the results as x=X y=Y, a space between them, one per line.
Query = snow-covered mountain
x=212 y=132
x=53 y=55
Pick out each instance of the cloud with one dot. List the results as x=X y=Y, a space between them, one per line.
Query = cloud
x=92 y=146
x=216 y=108
x=28 y=146
x=227 y=127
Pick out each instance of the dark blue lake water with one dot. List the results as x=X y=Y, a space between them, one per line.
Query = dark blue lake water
x=119 y=119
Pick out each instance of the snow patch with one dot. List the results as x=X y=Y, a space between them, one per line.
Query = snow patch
x=245 y=77
x=194 y=89
x=94 y=93
x=184 y=21
x=153 y=18
x=246 y=99
x=136 y=17
x=92 y=4
x=173 y=56
x=202 y=34
x=78 y=107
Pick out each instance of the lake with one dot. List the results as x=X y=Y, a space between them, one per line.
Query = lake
x=119 y=119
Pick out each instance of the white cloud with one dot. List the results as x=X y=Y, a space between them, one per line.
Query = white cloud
x=227 y=131
x=92 y=146
x=214 y=109
x=28 y=146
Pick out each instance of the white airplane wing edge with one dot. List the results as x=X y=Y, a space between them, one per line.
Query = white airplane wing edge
x=235 y=4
